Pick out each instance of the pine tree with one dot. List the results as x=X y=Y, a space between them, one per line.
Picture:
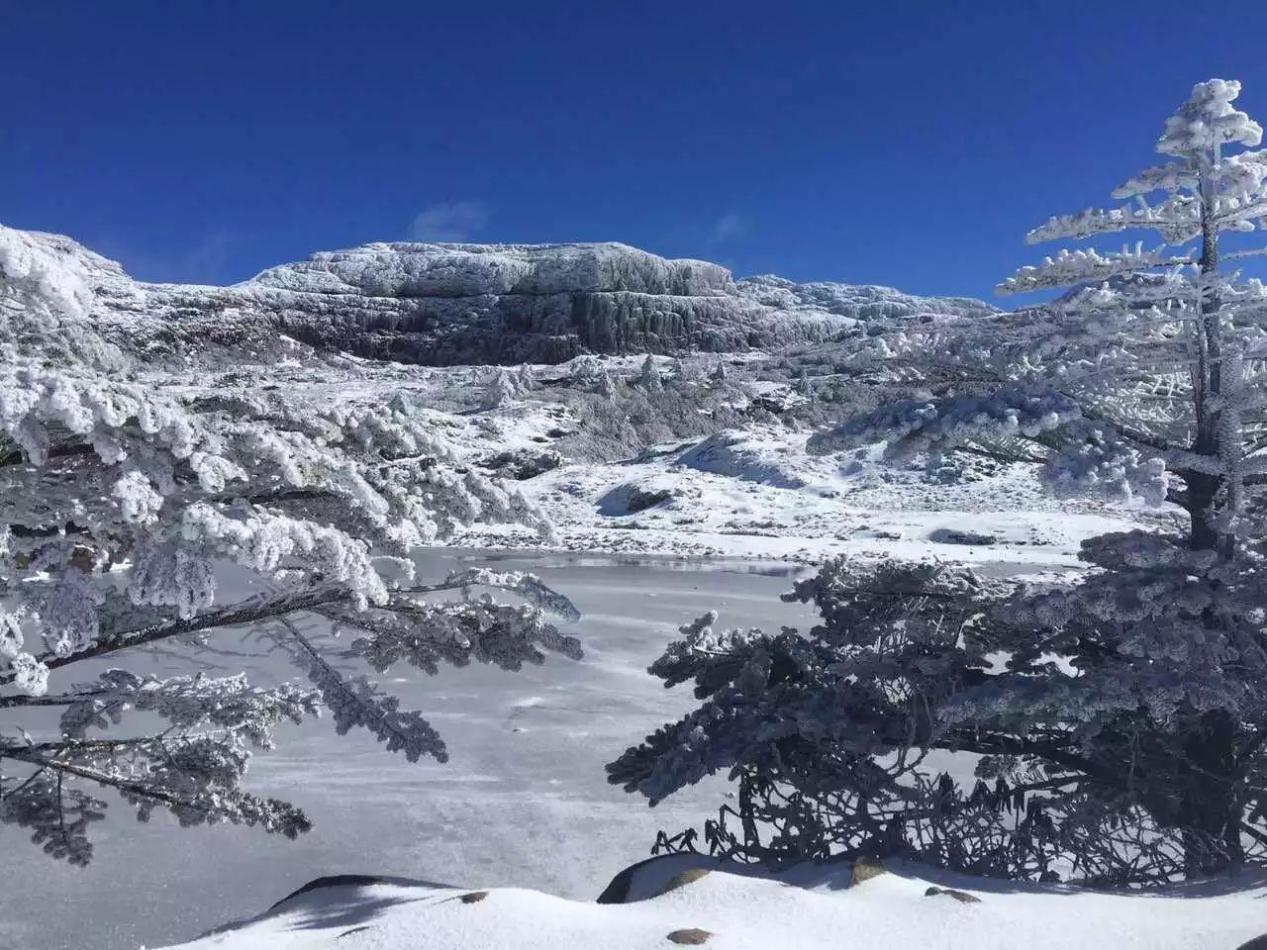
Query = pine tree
x=649 y=376
x=122 y=505
x=1120 y=720
x=500 y=388
x=526 y=379
x=805 y=388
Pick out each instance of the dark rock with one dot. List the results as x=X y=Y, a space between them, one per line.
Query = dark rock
x=523 y=464
x=690 y=936
x=333 y=880
x=954 y=536
x=864 y=869
x=962 y=896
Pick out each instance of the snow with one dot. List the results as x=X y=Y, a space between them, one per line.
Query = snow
x=757 y=493
x=805 y=908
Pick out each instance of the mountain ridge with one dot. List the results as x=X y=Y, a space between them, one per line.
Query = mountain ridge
x=448 y=304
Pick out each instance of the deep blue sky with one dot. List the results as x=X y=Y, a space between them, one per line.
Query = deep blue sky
x=904 y=143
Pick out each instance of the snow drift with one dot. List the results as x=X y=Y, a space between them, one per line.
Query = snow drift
x=804 y=907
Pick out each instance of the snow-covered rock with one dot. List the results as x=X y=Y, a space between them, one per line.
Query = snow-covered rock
x=737 y=908
x=446 y=304
x=470 y=270
x=767 y=455
x=863 y=302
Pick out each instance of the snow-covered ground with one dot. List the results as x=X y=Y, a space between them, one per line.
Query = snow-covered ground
x=805 y=908
x=756 y=493
x=749 y=490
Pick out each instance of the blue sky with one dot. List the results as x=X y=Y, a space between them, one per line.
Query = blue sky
x=903 y=143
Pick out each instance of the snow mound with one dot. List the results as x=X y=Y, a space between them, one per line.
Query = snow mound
x=805 y=907
x=770 y=457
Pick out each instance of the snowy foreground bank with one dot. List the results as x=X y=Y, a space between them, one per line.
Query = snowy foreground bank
x=666 y=902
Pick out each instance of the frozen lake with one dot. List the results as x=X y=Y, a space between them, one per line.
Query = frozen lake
x=523 y=799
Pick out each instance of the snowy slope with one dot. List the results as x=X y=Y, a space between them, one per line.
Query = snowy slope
x=751 y=491
x=757 y=493
x=805 y=908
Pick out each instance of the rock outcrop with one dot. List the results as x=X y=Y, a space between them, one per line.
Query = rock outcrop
x=469 y=303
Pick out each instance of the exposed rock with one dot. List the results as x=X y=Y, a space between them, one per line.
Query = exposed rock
x=1258 y=943
x=864 y=869
x=650 y=876
x=523 y=464
x=690 y=936
x=962 y=896
x=689 y=876
x=631 y=498
x=469 y=303
x=474 y=897
x=957 y=536
x=333 y=880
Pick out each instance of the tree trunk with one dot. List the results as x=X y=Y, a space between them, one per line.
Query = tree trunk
x=1209 y=797
x=1202 y=491
x=1210 y=805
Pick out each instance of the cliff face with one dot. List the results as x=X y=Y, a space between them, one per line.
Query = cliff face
x=469 y=303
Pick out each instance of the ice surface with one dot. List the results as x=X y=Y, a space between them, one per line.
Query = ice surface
x=522 y=802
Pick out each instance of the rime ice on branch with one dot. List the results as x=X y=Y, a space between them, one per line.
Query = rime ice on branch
x=122 y=504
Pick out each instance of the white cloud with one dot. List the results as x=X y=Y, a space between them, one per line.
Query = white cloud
x=728 y=227
x=449 y=222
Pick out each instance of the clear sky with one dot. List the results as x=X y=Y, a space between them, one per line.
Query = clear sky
x=904 y=143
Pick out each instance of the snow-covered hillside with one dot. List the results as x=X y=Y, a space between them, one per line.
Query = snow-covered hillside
x=736 y=481
x=805 y=907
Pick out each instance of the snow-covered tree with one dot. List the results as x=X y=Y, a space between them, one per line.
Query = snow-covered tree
x=500 y=387
x=589 y=372
x=1122 y=718
x=805 y=388
x=137 y=514
x=526 y=379
x=649 y=376
x=603 y=383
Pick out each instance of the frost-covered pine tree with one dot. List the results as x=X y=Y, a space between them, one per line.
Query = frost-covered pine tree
x=805 y=388
x=143 y=514
x=649 y=376
x=526 y=379
x=1118 y=723
x=590 y=372
x=500 y=387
